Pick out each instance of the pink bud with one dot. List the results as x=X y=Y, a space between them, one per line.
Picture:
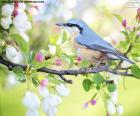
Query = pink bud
x=124 y=23
x=93 y=102
x=15 y=13
x=39 y=57
x=85 y=105
x=138 y=11
x=44 y=82
x=78 y=58
x=16 y=4
x=58 y=62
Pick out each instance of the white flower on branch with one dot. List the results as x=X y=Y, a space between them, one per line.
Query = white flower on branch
x=11 y=80
x=120 y=109
x=31 y=101
x=43 y=91
x=7 y=10
x=62 y=90
x=111 y=107
x=52 y=49
x=114 y=96
x=13 y=55
x=21 y=22
x=21 y=6
x=115 y=78
x=5 y=22
x=11 y=52
x=32 y=113
x=25 y=36
x=50 y=103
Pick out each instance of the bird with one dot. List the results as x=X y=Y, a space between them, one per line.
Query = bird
x=89 y=44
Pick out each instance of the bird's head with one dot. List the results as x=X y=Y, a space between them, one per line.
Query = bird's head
x=74 y=25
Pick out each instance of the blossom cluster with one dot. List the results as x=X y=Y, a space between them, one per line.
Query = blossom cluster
x=14 y=15
x=49 y=101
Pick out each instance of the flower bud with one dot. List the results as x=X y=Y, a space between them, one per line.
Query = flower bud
x=93 y=102
x=15 y=13
x=78 y=58
x=124 y=23
x=85 y=105
x=138 y=11
x=39 y=57
x=7 y=10
x=11 y=52
x=16 y=4
x=5 y=22
x=58 y=62
x=44 y=82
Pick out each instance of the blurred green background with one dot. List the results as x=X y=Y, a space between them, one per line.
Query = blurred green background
x=98 y=15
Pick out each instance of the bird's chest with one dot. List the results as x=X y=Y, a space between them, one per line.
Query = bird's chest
x=83 y=51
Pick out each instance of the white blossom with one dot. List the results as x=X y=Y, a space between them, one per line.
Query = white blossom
x=12 y=79
x=111 y=107
x=49 y=104
x=21 y=22
x=7 y=10
x=11 y=52
x=43 y=91
x=13 y=55
x=114 y=96
x=115 y=78
x=5 y=22
x=32 y=113
x=52 y=49
x=62 y=90
x=25 y=36
x=120 y=109
x=31 y=101
x=21 y=6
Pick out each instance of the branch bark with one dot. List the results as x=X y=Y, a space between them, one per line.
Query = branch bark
x=61 y=73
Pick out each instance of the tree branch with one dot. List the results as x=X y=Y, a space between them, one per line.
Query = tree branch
x=61 y=73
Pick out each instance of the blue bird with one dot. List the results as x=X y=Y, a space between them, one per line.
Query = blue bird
x=89 y=44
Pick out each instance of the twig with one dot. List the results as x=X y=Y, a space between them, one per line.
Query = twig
x=61 y=73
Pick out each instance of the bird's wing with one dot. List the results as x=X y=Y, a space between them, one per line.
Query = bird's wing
x=95 y=43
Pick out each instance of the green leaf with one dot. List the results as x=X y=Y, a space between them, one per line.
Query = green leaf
x=64 y=36
x=20 y=74
x=23 y=45
x=98 y=79
x=118 y=17
x=30 y=57
x=111 y=87
x=86 y=84
x=35 y=81
x=135 y=71
x=84 y=63
x=124 y=33
x=69 y=60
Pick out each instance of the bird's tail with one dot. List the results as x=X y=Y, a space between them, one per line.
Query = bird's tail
x=121 y=56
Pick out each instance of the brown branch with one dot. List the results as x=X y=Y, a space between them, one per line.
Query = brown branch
x=61 y=73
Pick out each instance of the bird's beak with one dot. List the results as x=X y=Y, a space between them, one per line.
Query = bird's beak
x=60 y=24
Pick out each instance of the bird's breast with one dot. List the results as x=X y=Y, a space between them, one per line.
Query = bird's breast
x=84 y=52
